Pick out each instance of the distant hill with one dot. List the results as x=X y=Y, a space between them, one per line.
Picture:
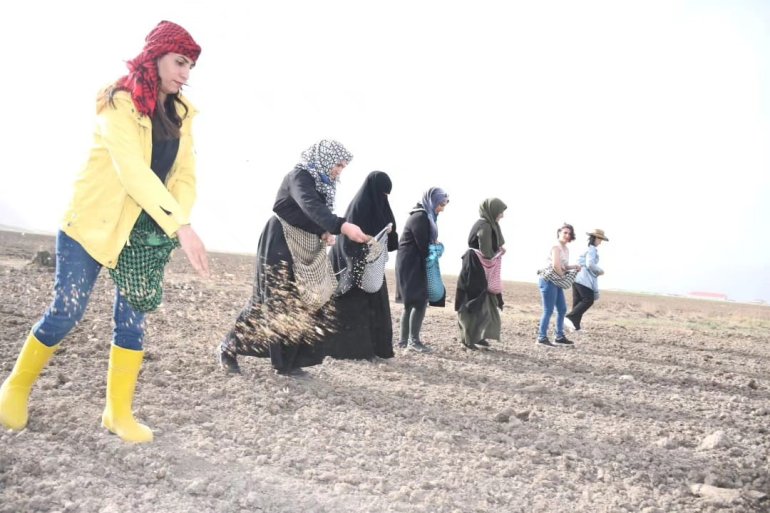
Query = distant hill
x=16 y=229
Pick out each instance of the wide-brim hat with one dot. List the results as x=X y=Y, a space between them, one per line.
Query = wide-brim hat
x=599 y=234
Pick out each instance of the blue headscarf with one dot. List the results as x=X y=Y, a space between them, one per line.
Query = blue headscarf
x=432 y=198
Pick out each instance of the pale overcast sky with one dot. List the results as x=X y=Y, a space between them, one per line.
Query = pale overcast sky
x=648 y=119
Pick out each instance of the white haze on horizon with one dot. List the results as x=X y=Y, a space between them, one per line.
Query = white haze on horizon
x=649 y=120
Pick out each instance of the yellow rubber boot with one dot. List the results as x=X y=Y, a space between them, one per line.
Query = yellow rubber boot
x=14 y=394
x=121 y=382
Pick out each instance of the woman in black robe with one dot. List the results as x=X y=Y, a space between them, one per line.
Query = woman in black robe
x=420 y=231
x=363 y=328
x=278 y=323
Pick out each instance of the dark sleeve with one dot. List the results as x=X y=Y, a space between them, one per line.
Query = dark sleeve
x=421 y=233
x=461 y=297
x=486 y=243
x=471 y=284
x=354 y=250
x=302 y=191
x=392 y=241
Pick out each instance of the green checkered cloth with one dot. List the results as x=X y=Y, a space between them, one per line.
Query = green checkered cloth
x=139 y=273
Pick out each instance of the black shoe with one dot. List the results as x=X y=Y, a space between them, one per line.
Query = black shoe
x=472 y=347
x=482 y=343
x=563 y=341
x=229 y=363
x=403 y=344
x=545 y=342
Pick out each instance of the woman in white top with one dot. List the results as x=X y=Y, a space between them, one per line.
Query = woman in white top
x=552 y=295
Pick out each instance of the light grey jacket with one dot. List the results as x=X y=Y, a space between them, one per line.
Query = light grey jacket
x=589 y=269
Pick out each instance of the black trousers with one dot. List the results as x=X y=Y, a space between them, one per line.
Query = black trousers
x=582 y=300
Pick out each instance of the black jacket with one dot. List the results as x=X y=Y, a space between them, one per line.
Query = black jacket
x=411 y=273
x=300 y=204
x=472 y=281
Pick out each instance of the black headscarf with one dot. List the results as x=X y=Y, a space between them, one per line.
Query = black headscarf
x=370 y=210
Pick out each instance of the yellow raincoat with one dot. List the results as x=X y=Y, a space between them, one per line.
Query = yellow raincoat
x=116 y=183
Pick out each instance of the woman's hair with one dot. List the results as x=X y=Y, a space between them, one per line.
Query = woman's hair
x=166 y=121
x=592 y=240
x=571 y=230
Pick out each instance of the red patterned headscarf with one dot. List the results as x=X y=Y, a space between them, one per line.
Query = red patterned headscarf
x=142 y=79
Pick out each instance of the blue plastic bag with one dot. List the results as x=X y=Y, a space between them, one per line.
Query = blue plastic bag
x=436 y=288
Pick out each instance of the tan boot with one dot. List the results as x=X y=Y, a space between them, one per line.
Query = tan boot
x=121 y=382
x=14 y=394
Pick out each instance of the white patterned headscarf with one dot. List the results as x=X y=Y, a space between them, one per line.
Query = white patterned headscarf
x=318 y=160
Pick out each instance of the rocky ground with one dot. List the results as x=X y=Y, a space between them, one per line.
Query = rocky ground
x=663 y=406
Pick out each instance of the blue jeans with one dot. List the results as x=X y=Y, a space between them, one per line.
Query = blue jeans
x=552 y=296
x=76 y=273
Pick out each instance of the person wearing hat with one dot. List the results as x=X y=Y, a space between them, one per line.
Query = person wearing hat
x=138 y=183
x=585 y=290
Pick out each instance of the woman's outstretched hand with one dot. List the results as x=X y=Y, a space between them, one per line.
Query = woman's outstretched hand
x=193 y=247
x=354 y=233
